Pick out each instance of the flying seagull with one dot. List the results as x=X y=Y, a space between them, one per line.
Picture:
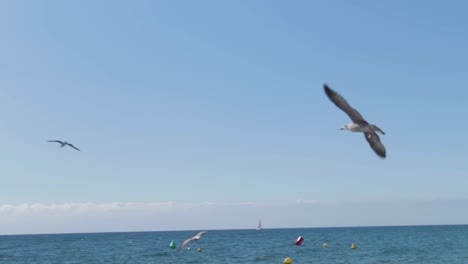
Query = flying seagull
x=64 y=143
x=358 y=124
x=196 y=237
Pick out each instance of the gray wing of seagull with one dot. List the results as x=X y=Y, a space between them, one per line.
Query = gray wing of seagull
x=375 y=144
x=73 y=146
x=341 y=103
x=58 y=141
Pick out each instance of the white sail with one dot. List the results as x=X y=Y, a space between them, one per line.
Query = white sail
x=259 y=224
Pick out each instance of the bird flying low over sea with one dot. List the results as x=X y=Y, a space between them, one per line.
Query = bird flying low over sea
x=358 y=124
x=195 y=237
x=63 y=144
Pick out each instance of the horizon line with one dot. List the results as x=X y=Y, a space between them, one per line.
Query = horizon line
x=233 y=229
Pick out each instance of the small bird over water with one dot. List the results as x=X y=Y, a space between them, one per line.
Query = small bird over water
x=63 y=144
x=196 y=237
x=358 y=124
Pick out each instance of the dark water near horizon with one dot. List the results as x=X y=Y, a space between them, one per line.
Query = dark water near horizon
x=412 y=244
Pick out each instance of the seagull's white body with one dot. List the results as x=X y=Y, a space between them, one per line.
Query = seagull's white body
x=353 y=127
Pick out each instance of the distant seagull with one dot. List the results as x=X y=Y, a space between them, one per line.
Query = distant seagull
x=196 y=237
x=64 y=143
x=358 y=124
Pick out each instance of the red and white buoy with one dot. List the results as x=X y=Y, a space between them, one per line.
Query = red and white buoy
x=299 y=240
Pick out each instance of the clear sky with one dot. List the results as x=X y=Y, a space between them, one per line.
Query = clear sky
x=215 y=110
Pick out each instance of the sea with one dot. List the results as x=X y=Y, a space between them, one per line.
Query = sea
x=402 y=244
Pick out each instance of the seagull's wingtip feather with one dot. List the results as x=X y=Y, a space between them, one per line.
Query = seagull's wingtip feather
x=328 y=90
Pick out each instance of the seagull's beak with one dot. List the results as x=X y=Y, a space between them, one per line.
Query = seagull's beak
x=342 y=128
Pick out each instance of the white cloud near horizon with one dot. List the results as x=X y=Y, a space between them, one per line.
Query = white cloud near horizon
x=33 y=218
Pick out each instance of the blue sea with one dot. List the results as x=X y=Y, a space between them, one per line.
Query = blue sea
x=412 y=244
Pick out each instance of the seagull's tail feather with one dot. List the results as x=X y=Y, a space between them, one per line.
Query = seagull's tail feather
x=377 y=129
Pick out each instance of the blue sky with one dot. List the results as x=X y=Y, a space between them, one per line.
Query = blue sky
x=189 y=102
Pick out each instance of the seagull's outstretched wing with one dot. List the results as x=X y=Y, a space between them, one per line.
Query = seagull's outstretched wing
x=376 y=145
x=339 y=101
x=58 y=141
x=73 y=146
x=195 y=237
x=184 y=243
x=200 y=234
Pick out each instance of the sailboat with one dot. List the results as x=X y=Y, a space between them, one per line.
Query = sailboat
x=259 y=227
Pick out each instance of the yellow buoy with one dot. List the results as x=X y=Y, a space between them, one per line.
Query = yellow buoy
x=287 y=261
x=199 y=249
x=325 y=244
x=353 y=246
